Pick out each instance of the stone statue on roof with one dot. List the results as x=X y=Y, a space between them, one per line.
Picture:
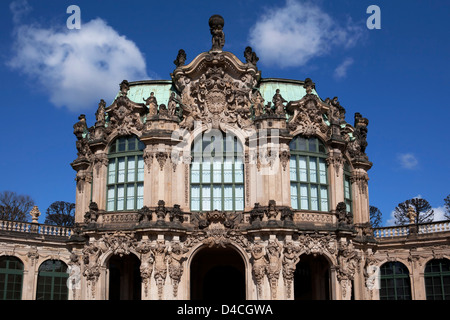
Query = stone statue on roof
x=216 y=24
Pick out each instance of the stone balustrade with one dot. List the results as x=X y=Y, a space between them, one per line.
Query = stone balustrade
x=36 y=228
x=401 y=231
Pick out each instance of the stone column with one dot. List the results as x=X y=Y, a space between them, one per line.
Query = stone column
x=83 y=187
x=360 y=194
x=99 y=176
x=335 y=163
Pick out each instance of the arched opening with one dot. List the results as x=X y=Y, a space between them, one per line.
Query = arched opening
x=11 y=278
x=124 y=278
x=394 y=281
x=217 y=274
x=52 y=281
x=312 y=278
x=437 y=279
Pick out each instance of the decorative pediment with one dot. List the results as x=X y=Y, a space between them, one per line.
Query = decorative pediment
x=216 y=89
x=307 y=115
x=124 y=115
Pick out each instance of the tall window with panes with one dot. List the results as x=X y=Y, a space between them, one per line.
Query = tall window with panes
x=347 y=187
x=125 y=184
x=308 y=174
x=217 y=174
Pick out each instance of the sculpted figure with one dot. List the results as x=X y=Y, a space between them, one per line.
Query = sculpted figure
x=172 y=105
x=181 y=58
x=216 y=24
x=278 y=101
x=259 y=265
x=258 y=104
x=152 y=105
x=160 y=254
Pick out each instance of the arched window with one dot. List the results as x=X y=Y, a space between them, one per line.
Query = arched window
x=52 y=281
x=11 y=278
x=437 y=279
x=125 y=190
x=217 y=174
x=348 y=187
x=308 y=170
x=394 y=282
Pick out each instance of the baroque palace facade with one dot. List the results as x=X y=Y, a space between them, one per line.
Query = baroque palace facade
x=221 y=184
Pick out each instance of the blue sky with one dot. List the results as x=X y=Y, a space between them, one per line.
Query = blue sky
x=397 y=77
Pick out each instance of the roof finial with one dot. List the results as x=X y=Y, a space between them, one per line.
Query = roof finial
x=216 y=24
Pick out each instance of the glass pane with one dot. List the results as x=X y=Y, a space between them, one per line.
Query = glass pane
x=293 y=168
x=238 y=171
x=346 y=188
x=206 y=198
x=228 y=197
x=110 y=200
x=322 y=171
x=195 y=198
x=130 y=197
x=302 y=168
x=121 y=170
x=131 y=143
x=312 y=145
x=314 y=198
x=140 y=176
x=195 y=172
x=322 y=148
x=312 y=170
x=131 y=169
x=227 y=172
x=300 y=144
x=121 y=144
x=112 y=171
x=323 y=198
x=304 y=197
x=140 y=196
x=217 y=172
x=294 y=196
x=217 y=198
x=120 y=197
x=239 y=197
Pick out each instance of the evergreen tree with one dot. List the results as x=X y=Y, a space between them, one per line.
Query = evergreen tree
x=375 y=217
x=422 y=208
x=447 y=207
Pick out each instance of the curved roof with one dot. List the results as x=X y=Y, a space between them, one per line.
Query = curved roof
x=140 y=90
x=291 y=90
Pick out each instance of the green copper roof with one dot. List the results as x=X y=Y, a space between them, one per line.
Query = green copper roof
x=140 y=90
x=290 y=90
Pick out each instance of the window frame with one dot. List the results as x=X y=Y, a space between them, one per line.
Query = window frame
x=15 y=273
x=319 y=156
x=434 y=277
x=347 y=177
x=205 y=160
x=394 y=277
x=52 y=275
x=128 y=154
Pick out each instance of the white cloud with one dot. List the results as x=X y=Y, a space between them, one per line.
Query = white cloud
x=297 y=32
x=408 y=161
x=341 y=71
x=439 y=214
x=19 y=9
x=76 y=68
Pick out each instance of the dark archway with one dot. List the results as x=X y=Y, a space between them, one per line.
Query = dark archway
x=312 y=278
x=124 y=278
x=217 y=274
